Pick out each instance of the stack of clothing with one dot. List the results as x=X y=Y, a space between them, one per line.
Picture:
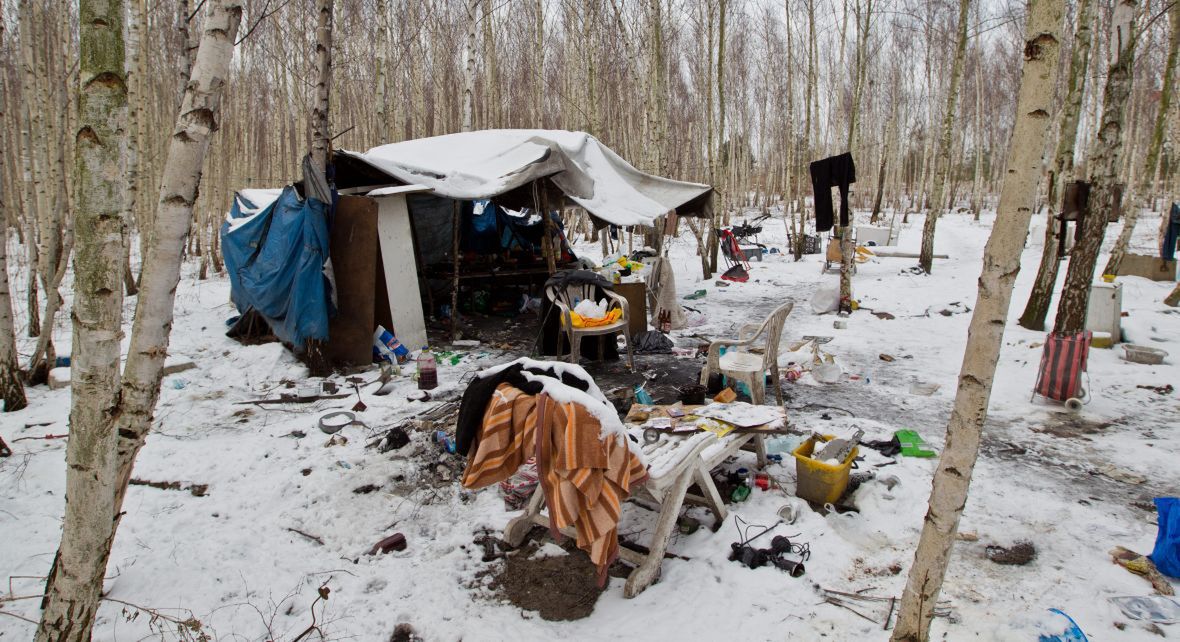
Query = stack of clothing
x=586 y=472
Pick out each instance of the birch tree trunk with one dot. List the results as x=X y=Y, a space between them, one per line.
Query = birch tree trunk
x=382 y=71
x=469 y=64
x=926 y=256
x=1001 y=263
x=1105 y=163
x=198 y=119
x=1037 y=308
x=321 y=137
x=1147 y=185
x=75 y=586
x=134 y=98
x=864 y=18
x=12 y=390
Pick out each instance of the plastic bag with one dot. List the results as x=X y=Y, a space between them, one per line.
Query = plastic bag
x=1166 y=555
x=825 y=300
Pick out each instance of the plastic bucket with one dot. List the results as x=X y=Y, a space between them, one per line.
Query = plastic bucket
x=818 y=482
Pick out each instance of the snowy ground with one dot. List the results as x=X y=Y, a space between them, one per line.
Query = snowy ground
x=1065 y=482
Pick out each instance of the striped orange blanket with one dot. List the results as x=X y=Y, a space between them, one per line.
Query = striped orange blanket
x=585 y=478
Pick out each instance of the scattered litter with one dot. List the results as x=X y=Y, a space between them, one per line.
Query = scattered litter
x=331 y=423
x=1153 y=608
x=393 y=439
x=886 y=357
x=197 y=490
x=725 y=396
x=336 y=440
x=1143 y=354
x=366 y=489
x=699 y=294
x=1018 y=554
x=59 y=378
x=912 y=444
x=1165 y=389
x=395 y=542
x=1142 y=565
x=924 y=389
x=427 y=371
x=445 y=441
x=171 y=366
x=1121 y=474
x=465 y=343
x=825 y=300
x=1071 y=633
x=387 y=348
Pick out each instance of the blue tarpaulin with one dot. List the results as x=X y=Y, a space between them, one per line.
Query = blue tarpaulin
x=275 y=256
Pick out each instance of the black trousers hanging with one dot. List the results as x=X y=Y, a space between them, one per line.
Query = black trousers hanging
x=834 y=171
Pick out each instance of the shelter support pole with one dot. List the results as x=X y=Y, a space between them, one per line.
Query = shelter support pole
x=547 y=245
x=455 y=222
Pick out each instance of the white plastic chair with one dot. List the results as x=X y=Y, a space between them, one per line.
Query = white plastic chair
x=567 y=298
x=740 y=363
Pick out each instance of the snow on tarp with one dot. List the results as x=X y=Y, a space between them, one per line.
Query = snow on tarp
x=275 y=253
x=486 y=164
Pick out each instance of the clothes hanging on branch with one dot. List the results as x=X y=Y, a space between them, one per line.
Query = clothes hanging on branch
x=834 y=171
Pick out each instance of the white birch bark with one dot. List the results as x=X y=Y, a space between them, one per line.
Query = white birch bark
x=321 y=132
x=12 y=389
x=1146 y=186
x=937 y=202
x=1001 y=263
x=199 y=118
x=469 y=64
x=1105 y=163
x=75 y=586
x=1041 y=295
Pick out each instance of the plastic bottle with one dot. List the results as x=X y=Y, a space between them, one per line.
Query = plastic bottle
x=427 y=371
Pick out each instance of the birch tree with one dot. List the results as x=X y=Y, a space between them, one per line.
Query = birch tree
x=198 y=120
x=937 y=202
x=469 y=64
x=1001 y=263
x=321 y=137
x=1105 y=165
x=75 y=586
x=1061 y=173
x=12 y=390
x=1147 y=183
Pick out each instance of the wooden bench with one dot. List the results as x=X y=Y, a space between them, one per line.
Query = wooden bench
x=674 y=463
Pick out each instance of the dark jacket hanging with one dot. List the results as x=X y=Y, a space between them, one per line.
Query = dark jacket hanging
x=834 y=171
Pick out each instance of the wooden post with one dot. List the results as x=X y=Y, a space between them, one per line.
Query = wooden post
x=455 y=222
x=541 y=201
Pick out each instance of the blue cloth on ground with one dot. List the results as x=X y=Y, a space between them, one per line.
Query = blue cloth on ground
x=1166 y=555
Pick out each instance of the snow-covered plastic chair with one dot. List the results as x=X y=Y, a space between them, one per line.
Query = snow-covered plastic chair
x=740 y=363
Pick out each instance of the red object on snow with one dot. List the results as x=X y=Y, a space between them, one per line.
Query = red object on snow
x=1062 y=365
x=395 y=542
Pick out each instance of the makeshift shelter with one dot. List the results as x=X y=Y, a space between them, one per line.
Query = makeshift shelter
x=446 y=209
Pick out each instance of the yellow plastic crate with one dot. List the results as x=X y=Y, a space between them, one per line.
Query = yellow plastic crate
x=819 y=482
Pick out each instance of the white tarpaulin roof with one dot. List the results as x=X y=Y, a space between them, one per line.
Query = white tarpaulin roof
x=486 y=164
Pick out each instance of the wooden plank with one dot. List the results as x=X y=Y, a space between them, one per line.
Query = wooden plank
x=353 y=247
x=636 y=295
x=401 y=271
x=1148 y=267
